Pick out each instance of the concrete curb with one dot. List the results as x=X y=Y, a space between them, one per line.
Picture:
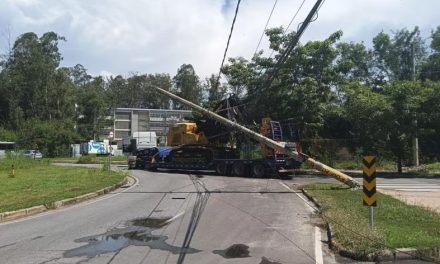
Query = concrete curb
x=386 y=255
x=14 y=215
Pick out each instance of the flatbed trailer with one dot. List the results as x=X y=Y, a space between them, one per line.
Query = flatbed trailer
x=297 y=155
x=281 y=167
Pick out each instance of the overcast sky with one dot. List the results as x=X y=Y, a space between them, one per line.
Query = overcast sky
x=149 y=36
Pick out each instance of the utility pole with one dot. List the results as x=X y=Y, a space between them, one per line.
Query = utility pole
x=415 y=140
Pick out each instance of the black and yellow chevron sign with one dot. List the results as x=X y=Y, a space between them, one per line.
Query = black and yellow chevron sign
x=369 y=169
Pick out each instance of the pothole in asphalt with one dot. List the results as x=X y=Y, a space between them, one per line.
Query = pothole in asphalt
x=265 y=260
x=137 y=232
x=234 y=251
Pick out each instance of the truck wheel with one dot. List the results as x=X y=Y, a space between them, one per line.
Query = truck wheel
x=258 y=170
x=238 y=169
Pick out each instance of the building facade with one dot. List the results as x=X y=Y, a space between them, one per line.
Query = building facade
x=130 y=120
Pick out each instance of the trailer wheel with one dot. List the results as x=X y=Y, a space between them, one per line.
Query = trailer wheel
x=221 y=169
x=258 y=170
x=238 y=168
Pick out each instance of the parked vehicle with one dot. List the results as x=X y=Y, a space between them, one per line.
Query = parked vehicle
x=6 y=147
x=33 y=154
x=141 y=158
x=139 y=141
x=96 y=148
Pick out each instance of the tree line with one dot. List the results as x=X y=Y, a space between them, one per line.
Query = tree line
x=366 y=99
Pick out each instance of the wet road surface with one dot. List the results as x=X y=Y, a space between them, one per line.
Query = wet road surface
x=172 y=218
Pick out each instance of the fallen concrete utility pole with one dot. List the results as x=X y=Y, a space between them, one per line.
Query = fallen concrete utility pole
x=267 y=141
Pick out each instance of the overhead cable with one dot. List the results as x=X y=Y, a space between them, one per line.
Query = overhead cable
x=265 y=27
x=282 y=59
x=227 y=44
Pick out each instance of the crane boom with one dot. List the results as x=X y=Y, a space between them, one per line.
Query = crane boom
x=267 y=141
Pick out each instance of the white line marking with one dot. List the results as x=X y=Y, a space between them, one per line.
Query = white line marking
x=318 y=246
x=416 y=190
x=312 y=209
x=105 y=197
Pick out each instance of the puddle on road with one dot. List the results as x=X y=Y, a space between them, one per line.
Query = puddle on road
x=137 y=232
x=234 y=251
x=265 y=260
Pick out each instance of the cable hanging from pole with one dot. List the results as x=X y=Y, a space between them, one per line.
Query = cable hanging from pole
x=294 y=16
x=265 y=27
x=227 y=44
x=312 y=16
x=287 y=28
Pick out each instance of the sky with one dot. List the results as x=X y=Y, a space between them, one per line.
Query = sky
x=111 y=37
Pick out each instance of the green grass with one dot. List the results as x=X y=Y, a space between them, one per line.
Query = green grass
x=431 y=169
x=397 y=224
x=92 y=159
x=357 y=165
x=36 y=182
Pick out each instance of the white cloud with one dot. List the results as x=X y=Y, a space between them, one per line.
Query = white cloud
x=158 y=36
x=106 y=74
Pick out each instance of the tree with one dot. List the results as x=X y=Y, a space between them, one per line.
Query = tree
x=136 y=91
x=393 y=57
x=93 y=108
x=353 y=62
x=431 y=69
x=212 y=86
x=406 y=98
x=30 y=75
x=187 y=84
x=239 y=74
x=156 y=100
x=368 y=112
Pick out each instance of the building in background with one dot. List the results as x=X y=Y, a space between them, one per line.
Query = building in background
x=127 y=121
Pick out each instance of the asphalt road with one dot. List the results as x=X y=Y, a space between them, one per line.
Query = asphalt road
x=169 y=218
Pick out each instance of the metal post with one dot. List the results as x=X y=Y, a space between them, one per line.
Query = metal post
x=371 y=213
x=415 y=140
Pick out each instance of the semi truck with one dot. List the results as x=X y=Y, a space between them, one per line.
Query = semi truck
x=278 y=147
x=190 y=149
x=208 y=145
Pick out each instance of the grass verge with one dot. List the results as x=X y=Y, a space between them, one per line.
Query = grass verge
x=396 y=224
x=357 y=165
x=36 y=182
x=92 y=159
x=426 y=170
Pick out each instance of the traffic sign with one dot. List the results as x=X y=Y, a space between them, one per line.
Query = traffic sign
x=369 y=173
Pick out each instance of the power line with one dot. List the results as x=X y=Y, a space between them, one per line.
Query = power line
x=227 y=44
x=294 y=16
x=265 y=27
x=290 y=23
x=295 y=39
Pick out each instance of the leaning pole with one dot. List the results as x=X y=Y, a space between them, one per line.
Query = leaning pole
x=342 y=177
